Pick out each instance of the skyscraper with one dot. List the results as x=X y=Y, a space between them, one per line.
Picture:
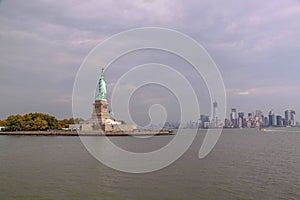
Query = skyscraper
x=266 y=121
x=250 y=115
x=272 y=118
x=215 y=118
x=241 y=119
x=287 y=117
x=290 y=118
x=293 y=118
x=279 y=120
x=259 y=116
x=234 y=117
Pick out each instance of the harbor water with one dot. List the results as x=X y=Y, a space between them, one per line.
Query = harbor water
x=245 y=164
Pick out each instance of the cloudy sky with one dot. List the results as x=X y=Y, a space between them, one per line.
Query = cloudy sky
x=255 y=44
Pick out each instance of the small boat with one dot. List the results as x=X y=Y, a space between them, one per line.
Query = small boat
x=262 y=129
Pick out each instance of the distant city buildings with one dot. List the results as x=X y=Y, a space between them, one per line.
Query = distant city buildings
x=238 y=119
x=204 y=121
x=257 y=119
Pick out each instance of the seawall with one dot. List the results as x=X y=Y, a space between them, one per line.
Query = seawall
x=75 y=133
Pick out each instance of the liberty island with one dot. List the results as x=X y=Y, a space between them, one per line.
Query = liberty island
x=100 y=122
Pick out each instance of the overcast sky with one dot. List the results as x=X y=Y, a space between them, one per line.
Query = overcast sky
x=255 y=44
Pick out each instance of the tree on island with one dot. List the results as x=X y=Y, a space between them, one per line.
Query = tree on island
x=40 y=124
x=31 y=122
x=15 y=123
x=64 y=123
x=36 y=122
x=2 y=123
x=39 y=121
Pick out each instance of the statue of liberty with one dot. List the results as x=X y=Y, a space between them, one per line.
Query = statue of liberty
x=102 y=87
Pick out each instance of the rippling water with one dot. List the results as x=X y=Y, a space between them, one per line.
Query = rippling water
x=245 y=164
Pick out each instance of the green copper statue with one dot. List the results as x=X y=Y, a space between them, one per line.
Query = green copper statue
x=102 y=87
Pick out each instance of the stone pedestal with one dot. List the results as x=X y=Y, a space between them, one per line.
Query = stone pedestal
x=101 y=111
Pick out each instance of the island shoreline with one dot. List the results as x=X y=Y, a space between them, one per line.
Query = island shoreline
x=75 y=133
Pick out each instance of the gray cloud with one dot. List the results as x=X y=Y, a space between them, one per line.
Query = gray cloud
x=43 y=42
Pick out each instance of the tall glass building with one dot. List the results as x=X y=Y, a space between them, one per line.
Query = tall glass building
x=272 y=118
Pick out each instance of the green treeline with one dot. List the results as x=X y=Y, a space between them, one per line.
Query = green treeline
x=35 y=122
